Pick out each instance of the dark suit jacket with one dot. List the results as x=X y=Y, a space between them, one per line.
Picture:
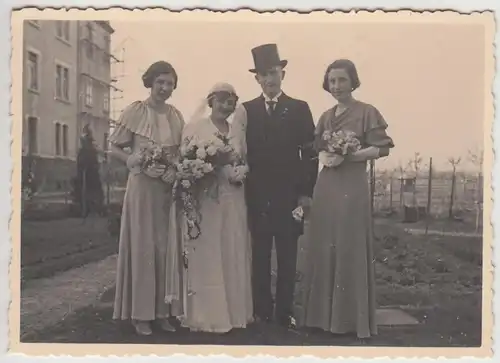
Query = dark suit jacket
x=283 y=164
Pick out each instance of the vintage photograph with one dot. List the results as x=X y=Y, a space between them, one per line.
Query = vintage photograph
x=246 y=179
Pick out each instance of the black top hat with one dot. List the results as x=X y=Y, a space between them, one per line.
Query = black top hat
x=266 y=56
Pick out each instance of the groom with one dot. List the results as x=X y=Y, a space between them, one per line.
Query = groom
x=283 y=171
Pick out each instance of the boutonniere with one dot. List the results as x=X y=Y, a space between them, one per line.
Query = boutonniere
x=284 y=113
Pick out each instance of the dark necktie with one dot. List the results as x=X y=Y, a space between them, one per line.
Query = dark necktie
x=271 y=107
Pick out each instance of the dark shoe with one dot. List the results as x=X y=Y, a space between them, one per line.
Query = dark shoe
x=288 y=322
x=261 y=319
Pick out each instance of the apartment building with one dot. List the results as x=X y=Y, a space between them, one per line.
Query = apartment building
x=67 y=84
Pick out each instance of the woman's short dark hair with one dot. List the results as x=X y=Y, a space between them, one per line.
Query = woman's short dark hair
x=349 y=67
x=155 y=69
x=220 y=95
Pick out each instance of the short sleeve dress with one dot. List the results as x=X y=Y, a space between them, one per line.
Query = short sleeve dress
x=146 y=223
x=339 y=291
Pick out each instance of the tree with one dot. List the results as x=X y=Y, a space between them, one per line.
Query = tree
x=415 y=164
x=88 y=195
x=476 y=157
x=454 y=163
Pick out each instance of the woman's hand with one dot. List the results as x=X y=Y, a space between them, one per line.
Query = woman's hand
x=155 y=170
x=229 y=172
x=330 y=160
x=133 y=161
x=369 y=153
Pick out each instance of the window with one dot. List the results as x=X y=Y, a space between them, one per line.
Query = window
x=58 y=138
x=90 y=41
x=32 y=135
x=88 y=91
x=107 y=47
x=66 y=30
x=105 y=101
x=65 y=135
x=62 y=29
x=62 y=82
x=33 y=71
x=59 y=28
x=61 y=139
x=107 y=42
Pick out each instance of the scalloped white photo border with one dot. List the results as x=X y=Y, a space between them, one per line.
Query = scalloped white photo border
x=465 y=6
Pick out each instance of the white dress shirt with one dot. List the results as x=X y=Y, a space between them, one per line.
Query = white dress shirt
x=274 y=99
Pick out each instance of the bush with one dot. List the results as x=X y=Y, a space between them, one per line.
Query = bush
x=92 y=198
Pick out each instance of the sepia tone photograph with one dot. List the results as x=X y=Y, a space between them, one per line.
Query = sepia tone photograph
x=246 y=179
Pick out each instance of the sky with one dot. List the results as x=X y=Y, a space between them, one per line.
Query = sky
x=426 y=79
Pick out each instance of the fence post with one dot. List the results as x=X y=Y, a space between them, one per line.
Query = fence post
x=429 y=198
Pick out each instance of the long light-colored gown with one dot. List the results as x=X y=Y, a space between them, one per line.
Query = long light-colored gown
x=339 y=284
x=219 y=295
x=146 y=262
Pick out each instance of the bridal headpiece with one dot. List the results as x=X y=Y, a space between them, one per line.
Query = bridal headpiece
x=203 y=110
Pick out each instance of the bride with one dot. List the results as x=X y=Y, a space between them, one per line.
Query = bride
x=219 y=295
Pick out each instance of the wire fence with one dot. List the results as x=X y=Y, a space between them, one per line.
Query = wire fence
x=458 y=196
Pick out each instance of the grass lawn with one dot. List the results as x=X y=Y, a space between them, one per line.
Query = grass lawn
x=436 y=279
x=48 y=247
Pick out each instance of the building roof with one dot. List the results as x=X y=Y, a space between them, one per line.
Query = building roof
x=106 y=26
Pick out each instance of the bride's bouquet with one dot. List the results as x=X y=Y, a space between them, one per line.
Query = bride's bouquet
x=200 y=160
x=341 y=142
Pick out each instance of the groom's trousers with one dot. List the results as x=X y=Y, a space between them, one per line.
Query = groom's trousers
x=277 y=226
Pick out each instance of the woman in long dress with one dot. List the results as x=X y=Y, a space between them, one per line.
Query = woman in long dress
x=339 y=277
x=148 y=262
x=219 y=296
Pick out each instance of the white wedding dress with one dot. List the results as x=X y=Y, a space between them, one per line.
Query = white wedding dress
x=219 y=291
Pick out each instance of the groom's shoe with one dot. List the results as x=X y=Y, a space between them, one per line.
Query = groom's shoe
x=262 y=319
x=287 y=322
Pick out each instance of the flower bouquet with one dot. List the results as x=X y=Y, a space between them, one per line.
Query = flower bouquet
x=200 y=160
x=341 y=142
x=154 y=154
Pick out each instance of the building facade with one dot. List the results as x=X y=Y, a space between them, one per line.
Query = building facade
x=94 y=79
x=67 y=83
